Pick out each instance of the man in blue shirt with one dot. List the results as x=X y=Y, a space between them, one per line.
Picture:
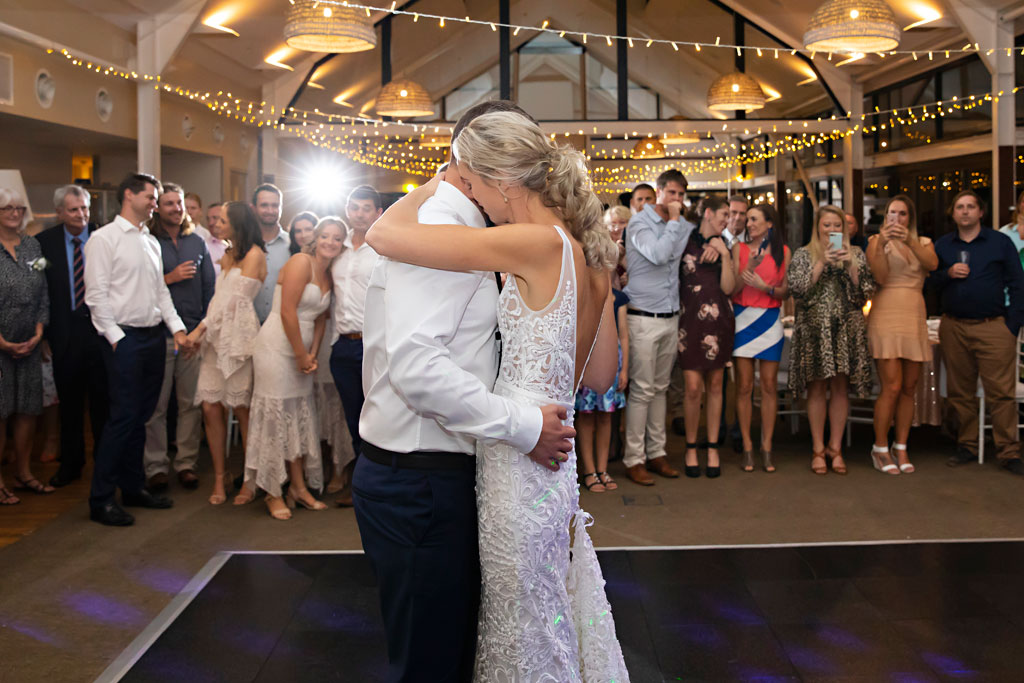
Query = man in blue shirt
x=979 y=328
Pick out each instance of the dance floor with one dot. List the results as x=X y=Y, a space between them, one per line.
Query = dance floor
x=875 y=612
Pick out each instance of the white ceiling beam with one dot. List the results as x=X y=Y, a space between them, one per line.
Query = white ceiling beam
x=161 y=36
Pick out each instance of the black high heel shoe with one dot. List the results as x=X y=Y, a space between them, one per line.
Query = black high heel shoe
x=692 y=471
x=716 y=471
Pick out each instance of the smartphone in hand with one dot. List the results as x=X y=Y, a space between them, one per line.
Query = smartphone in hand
x=835 y=241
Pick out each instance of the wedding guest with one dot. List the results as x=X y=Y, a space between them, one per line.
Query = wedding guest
x=854 y=232
x=216 y=245
x=228 y=335
x=830 y=284
x=616 y=219
x=76 y=347
x=737 y=223
x=655 y=239
x=300 y=230
x=594 y=411
x=266 y=200
x=761 y=261
x=351 y=276
x=283 y=439
x=706 y=329
x=1015 y=229
x=900 y=261
x=643 y=194
x=982 y=291
x=130 y=306
x=194 y=209
x=24 y=313
x=188 y=274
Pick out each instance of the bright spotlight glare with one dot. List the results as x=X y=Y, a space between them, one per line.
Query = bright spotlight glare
x=323 y=183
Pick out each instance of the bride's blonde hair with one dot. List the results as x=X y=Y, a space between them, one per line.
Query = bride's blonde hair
x=506 y=147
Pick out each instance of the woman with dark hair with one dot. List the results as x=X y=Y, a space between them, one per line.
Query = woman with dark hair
x=760 y=262
x=300 y=230
x=830 y=281
x=706 y=329
x=228 y=334
x=900 y=261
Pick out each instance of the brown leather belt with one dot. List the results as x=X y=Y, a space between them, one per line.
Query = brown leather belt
x=975 y=321
x=351 y=335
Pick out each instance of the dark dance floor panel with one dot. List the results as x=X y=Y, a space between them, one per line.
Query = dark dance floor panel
x=902 y=613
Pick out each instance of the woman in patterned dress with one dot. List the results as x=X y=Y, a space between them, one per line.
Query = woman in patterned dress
x=24 y=311
x=706 y=328
x=761 y=264
x=830 y=338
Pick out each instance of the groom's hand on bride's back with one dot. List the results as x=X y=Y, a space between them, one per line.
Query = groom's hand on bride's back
x=555 y=443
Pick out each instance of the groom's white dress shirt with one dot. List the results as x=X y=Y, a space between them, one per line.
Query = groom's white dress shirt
x=429 y=353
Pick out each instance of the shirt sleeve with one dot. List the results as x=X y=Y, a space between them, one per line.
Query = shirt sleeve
x=99 y=259
x=1014 y=283
x=423 y=309
x=209 y=278
x=663 y=248
x=799 y=274
x=166 y=305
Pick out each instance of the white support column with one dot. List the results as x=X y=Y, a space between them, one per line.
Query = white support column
x=158 y=39
x=983 y=25
x=853 y=156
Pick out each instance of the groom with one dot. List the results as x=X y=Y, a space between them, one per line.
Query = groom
x=430 y=361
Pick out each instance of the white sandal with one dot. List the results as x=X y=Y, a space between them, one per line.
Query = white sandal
x=907 y=467
x=891 y=468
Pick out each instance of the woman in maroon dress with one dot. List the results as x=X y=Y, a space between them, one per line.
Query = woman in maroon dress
x=706 y=328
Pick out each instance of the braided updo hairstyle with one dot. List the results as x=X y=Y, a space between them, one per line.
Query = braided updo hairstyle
x=506 y=147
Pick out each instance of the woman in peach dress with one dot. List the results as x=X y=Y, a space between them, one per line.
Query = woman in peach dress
x=900 y=261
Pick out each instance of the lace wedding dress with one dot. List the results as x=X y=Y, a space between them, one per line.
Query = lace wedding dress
x=543 y=617
x=283 y=423
x=225 y=371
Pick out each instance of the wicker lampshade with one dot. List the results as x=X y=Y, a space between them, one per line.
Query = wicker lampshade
x=649 y=148
x=852 y=26
x=435 y=141
x=315 y=27
x=735 y=92
x=404 y=99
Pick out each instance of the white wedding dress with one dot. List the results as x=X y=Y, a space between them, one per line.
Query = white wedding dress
x=542 y=617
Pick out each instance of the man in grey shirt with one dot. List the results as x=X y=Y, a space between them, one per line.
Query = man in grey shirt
x=655 y=240
x=266 y=200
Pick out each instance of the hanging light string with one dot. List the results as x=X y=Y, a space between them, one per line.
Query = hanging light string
x=635 y=41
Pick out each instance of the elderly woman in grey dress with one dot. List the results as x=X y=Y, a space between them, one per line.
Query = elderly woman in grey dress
x=24 y=311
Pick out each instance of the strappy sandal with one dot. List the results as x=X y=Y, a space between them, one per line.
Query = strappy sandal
x=8 y=498
x=907 y=467
x=748 y=461
x=692 y=471
x=32 y=484
x=835 y=455
x=818 y=463
x=606 y=479
x=597 y=482
x=766 y=457
x=890 y=468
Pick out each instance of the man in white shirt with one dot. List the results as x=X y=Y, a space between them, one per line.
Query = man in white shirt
x=431 y=360
x=266 y=200
x=351 y=275
x=129 y=304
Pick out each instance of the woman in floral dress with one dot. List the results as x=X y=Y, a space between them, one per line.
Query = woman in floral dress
x=830 y=337
x=706 y=328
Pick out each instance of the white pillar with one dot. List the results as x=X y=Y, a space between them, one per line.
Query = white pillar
x=1004 y=125
x=853 y=157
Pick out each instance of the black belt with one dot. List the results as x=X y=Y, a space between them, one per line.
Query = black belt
x=142 y=330
x=419 y=460
x=648 y=314
x=976 y=321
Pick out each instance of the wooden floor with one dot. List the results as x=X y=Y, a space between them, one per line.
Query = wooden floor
x=35 y=510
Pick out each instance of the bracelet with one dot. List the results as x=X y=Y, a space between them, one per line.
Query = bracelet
x=771 y=292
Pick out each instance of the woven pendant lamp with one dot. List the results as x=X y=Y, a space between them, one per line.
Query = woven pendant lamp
x=679 y=138
x=435 y=141
x=735 y=92
x=852 y=26
x=314 y=27
x=404 y=99
x=649 y=148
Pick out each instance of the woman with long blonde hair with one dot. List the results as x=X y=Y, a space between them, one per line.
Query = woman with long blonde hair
x=542 y=617
x=830 y=281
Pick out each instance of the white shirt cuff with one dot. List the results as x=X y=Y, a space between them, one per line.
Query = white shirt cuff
x=526 y=438
x=114 y=335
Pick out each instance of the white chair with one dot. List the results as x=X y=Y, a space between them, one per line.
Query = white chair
x=234 y=433
x=1019 y=396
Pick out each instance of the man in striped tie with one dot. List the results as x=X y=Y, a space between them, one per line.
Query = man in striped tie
x=75 y=345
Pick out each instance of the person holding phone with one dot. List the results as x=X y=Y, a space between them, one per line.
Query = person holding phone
x=760 y=262
x=900 y=261
x=189 y=276
x=830 y=281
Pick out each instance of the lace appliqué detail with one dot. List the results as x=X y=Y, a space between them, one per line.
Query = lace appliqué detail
x=542 y=617
x=225 y=371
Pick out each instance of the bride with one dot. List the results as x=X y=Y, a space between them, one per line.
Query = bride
x=542 y=617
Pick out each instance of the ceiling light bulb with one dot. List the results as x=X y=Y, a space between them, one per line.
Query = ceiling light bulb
x=403 y=93
x=735 y=87
x=854 y=13
x=327 y=12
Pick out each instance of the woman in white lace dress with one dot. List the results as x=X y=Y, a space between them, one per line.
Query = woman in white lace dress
x=228 y=333
x=284 y=439
x=542 y=617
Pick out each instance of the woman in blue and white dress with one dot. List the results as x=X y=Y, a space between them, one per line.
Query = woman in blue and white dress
x=761 y=262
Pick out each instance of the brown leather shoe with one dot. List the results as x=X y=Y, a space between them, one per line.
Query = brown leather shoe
x=344 y=499
x=158 y=482
x=661 y=466
x=188 y=479
x=639 y=474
